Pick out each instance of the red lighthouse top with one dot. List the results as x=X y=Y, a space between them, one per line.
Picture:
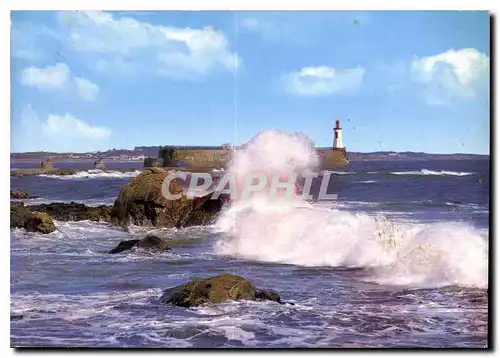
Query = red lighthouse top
x=337 y=124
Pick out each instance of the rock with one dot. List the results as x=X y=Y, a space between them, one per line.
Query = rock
x=142 y=203
x=150 y=242
x=225 y=287
x=123 y=246
x=19 y=194
x=32 y=221
x=153 y=242
x=153 y=162
x=46 y=164
x=16 y=317
x=74 y=211
x=99 y=164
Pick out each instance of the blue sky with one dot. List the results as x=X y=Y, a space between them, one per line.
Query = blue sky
x=400 y=81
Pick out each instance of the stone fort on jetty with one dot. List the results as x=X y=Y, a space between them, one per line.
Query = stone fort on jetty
x=218 y=156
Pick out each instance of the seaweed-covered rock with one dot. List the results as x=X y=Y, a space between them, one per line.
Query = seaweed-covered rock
x=225 y=287
x=150 y=242
x=19 y=194
x=141 y=202
x=74 y=211
x=32 y=221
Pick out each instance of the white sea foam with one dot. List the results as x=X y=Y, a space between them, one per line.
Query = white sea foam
x=89 y=202
x=94 y=174
x=295 y=232
x=339 y=172
x=432 y=172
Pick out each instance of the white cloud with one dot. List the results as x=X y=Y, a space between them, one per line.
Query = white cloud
x=58 y=77
x=86 y=88
x=172 y=51
x=68 y=125
x=452 y=74
x=50 y=77
x=59 y=133
x=323 y=81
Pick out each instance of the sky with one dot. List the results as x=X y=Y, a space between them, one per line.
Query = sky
x=397 y=81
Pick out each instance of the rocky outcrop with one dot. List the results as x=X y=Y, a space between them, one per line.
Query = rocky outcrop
x=150 y=243
x=124 y=246
x=153 y=162
x=99 y=164
x=32 y=221
x=19 y=194
x=225 y=287
x=141 y=202
x=74 y=211
x=46 y=164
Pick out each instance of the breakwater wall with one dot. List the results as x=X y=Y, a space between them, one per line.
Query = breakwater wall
x=218 y=157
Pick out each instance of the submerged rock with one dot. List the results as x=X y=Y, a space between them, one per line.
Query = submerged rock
x=74 y=211
x=150 y=242
x=124 y=246
x=225 y=287
x=141 y=202
x=16 y=317
x=32 y=221
x=19 y=194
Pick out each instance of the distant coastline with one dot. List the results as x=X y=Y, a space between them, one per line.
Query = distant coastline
x=34 y=160
x=139 y=153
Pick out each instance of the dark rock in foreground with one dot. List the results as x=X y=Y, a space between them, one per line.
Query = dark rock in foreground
x=225 y=287
x=32 y=221
x=124 y=246
x=74 y=211
x=150 y=242
x=19 y=194
x=142 y=203
x=16 y=317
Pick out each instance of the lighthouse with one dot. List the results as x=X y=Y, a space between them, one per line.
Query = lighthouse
x=337 y=131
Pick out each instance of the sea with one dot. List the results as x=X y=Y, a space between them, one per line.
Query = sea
x=398 y=260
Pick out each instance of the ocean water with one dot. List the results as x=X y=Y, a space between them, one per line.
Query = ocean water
x=400 y=259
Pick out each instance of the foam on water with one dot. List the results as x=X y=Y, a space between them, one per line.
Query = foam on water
x=88 y=202
x=432 y=172
x=339 y=172
x=97 y=313
x=294 y=232
x=94 y=174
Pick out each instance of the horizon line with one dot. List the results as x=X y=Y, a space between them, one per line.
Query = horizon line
x=217 y=147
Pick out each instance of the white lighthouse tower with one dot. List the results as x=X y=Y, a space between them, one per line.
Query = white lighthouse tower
x=337 y=131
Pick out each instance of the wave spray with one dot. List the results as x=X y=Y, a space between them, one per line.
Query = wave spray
x=262 y=228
